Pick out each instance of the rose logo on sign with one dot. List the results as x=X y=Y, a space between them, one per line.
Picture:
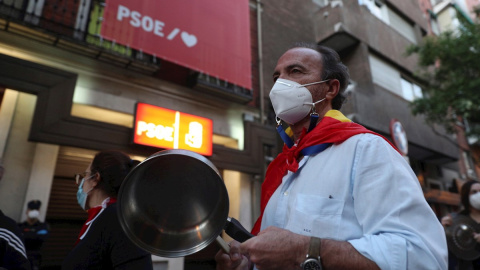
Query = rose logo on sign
x=149 y=24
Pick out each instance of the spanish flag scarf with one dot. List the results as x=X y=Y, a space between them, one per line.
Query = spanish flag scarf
x=334 y=128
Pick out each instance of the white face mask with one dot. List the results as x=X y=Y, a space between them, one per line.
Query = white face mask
x=292 y=101
x=475 y=200
x=33 y=214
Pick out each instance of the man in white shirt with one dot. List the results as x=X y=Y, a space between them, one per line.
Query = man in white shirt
x=339 y=196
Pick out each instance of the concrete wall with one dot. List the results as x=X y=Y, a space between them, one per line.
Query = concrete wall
x=358 y=22
x=284 y=22
x=41 y=177
x=239 y=191
x=411 y=8
x=17 y=157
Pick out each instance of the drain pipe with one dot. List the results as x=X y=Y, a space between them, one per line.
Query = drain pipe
x=260 y=61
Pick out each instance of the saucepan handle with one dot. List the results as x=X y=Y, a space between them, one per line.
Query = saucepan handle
x=235 y=230
x=222 y=244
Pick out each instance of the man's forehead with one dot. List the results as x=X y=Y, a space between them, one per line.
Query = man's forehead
x=300 y=56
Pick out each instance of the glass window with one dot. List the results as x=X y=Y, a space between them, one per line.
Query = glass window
x=410 y=91
x=402 y=26
x=320 y=3
x=389 y=77
x=385 y=75
x=377 y=8
x=435 y=27
x=417 y=91
x=407 y=90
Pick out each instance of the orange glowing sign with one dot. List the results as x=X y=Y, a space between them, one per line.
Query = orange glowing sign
x=164 y=128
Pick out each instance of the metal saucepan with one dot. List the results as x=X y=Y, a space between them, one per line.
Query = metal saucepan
x=460 y=238
x=175 y=203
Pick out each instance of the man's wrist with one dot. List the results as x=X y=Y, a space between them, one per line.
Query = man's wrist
x=312 y=260
x=302 y=250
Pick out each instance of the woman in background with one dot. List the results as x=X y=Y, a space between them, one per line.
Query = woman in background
x=470 y=198
x=102 y=244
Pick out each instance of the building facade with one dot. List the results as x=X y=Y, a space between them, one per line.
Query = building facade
x=384 y=78
x=67 y=93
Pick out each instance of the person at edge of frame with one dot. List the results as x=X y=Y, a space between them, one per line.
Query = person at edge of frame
x=35 y=233
x=470 y=199
x=12 y=247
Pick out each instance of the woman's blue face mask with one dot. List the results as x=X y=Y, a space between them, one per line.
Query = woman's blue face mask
x=81 y=195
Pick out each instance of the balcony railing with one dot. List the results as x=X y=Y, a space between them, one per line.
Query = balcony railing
x=73 y=25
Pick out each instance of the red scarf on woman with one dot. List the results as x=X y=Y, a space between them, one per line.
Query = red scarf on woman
x=333 y=128
x=92 y=215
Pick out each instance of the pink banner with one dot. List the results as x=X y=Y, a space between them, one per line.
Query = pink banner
x=211 y=36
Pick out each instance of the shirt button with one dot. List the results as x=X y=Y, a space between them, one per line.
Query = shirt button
x=285 y=193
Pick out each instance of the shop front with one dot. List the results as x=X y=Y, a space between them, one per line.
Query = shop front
x=59 y=108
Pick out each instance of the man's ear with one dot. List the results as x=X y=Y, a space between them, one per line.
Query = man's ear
x=96 y=179
x=333 y=89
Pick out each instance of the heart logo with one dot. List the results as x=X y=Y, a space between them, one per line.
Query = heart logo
x=189 y=40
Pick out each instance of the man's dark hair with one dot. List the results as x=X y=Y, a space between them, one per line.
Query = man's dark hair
x=333 y=68
x=34 y=205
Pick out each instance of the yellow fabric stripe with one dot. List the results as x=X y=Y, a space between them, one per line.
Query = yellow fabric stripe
x=337 y=115
x=289 y=132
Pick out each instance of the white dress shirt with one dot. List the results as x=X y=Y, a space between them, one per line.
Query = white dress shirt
x=364 y=192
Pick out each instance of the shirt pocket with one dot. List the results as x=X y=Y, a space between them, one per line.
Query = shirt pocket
x=316 y=215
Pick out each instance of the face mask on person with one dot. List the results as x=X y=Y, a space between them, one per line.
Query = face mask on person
x=81 y=195
x=292 y=101
x=33 y=214
x=475 y=200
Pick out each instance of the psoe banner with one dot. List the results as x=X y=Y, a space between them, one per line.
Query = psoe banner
x=164 y=128
x=212 y=36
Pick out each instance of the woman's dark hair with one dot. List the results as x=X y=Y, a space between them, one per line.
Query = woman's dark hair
x=465 y=195
x=333 y=68
x=113 y=167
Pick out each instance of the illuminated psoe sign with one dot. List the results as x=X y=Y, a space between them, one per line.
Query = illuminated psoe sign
x=164 y=128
